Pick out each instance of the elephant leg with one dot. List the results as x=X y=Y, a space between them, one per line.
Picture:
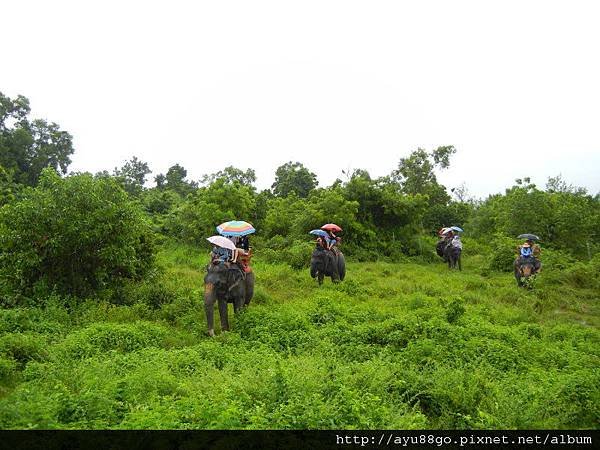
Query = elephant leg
x=249 y=288
x=320 y=278
x=238 y=303
x=209 y=307
x=223 y=314
x=335 y=275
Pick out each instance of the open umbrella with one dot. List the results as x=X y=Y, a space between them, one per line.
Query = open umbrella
x=321 y=233
x=443 y=231
x=459 y=229
x=221 y=241
x=528 y=236
x=235 y=228
x=331 y=227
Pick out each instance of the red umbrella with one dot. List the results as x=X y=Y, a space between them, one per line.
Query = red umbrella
x=331 y=227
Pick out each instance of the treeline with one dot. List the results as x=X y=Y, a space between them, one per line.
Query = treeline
x=80 y=233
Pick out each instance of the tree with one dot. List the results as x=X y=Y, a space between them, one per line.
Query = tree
x=133 y=175
x=415 y=176
x=197 y=217
x=175 y=181
x=7 y=187
x=565 y=217
x=161 y=181
x=293 y=177
x=74 y=236
x=415 y=173
x=27 y=147
x=232 y=175
x=175 y=177
x=558 y=184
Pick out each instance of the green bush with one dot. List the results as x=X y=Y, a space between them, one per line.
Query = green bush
x=503 y=254
x=8 y=369
x=154 y=292
x=455 y=309
x=103 y=337
x=583 y=275
x=23 y=347
x=297 y=253
x=74 y=236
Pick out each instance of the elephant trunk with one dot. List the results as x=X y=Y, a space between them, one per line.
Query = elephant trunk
x=210 y=296
x=313 y=268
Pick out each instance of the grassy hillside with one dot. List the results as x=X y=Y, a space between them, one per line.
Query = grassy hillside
x=404 y=345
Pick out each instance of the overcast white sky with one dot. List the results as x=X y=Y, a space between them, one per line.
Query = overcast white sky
x=513 y=85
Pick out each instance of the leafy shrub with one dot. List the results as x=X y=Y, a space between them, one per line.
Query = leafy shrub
x=23 y=347
x=103 y=337
x=455 y=309
x=8 y=368
x=503 y=254
x=583 y=275
x=196 y=217
x=297 y=254
x=76 y=235
x=154 y=292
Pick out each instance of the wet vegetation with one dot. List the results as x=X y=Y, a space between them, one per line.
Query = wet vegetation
x=102 y=321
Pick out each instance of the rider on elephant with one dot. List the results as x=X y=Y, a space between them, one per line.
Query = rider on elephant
x=220 y=255
x=529 y=249
x=321 y=243
x=331 y=240
x=446 y=235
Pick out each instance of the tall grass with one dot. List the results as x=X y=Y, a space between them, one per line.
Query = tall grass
x=407 y=345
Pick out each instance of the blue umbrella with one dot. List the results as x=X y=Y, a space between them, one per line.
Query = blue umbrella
x=319 y=233
x=459 y=229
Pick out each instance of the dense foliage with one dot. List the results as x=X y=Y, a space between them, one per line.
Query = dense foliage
x=395 y=346
x=96 y=332
x=73 y=236
x=28 y=146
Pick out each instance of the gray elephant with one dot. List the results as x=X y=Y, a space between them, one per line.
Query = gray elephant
x=227 y=283
x=329 y=263
x=525 y=269
x=452 y=256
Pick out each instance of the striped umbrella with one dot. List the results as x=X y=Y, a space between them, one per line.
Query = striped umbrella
x=235 y=228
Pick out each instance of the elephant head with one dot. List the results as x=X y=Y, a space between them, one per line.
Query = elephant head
x=324 y=263
x=524 y=269
x=226 y=284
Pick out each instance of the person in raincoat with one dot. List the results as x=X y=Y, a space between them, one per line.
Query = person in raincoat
x=529 y=249
x=331 y=239
x=220 y=254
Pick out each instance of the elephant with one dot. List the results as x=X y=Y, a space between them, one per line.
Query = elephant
x=227 y=283
x=440 y=247
x=452 y=256
x=329 y=263
x=525 y=270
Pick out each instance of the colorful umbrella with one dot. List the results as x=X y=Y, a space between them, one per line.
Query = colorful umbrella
x=235 y=228
x=221 y=241
x=321 y=233
x=459 y=229
x=331 y=227
x=528 y=236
